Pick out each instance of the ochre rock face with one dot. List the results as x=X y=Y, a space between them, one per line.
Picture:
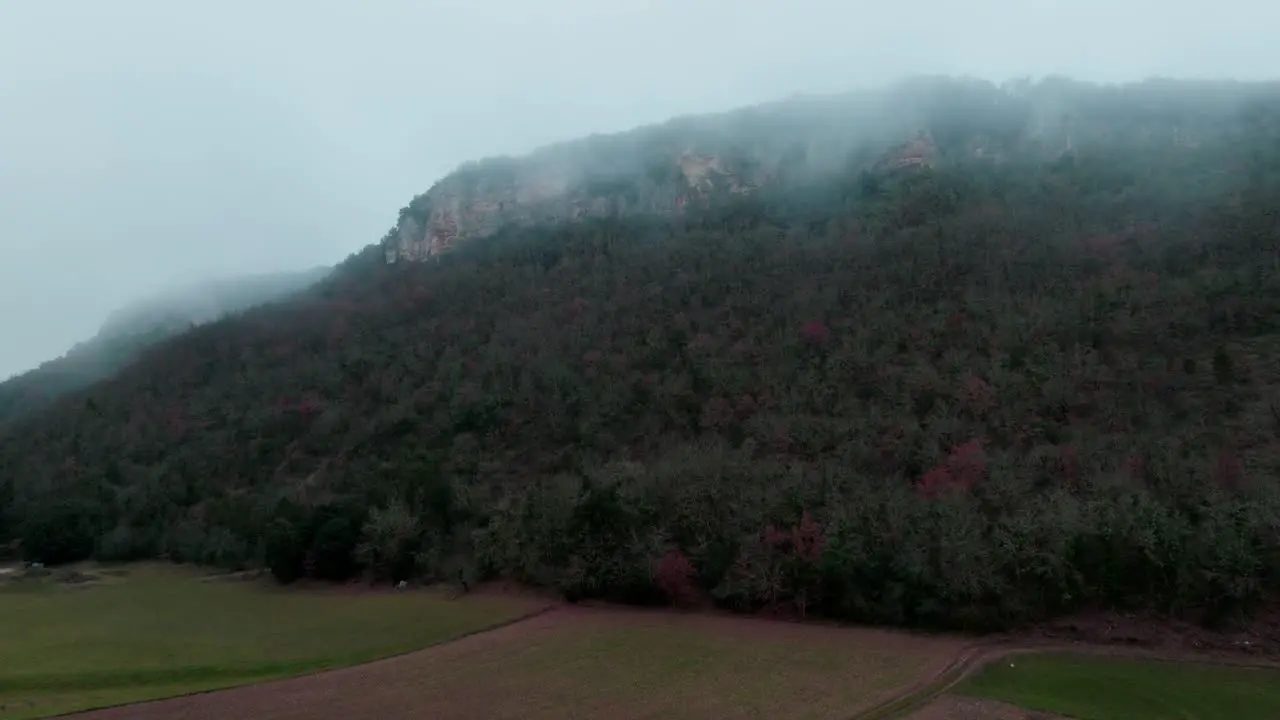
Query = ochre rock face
x=469 y=205
x=442 y=228
x=460 y=209
x=920 y=152
x=699 y=170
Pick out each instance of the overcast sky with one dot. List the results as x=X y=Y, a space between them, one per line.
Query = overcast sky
x=145 y=143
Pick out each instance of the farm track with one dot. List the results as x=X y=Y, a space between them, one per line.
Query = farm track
x=352 y=691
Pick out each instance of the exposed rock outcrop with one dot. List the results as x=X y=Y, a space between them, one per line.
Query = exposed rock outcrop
x=469 y=204
x=919 y=153
x=663 y=169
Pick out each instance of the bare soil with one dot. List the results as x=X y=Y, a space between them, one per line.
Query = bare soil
x=1259 y=638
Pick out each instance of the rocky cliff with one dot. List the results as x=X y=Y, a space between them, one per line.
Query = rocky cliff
x=480 y=199
x=662 y=169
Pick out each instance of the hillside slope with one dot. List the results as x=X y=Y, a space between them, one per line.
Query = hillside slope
x=132 y=329
x=974 y=391
x=694 y=162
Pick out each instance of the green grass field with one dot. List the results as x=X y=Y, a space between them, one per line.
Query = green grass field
x=159 y=631
x=1095 y=688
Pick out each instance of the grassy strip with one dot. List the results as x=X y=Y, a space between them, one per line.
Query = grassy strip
x=160 y=633
x=1107 y=688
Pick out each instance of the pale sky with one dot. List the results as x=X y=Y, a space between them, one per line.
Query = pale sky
x=148 y=143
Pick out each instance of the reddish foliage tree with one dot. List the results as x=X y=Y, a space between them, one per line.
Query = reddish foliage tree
x=1135 y=465
x=309 y=406
x=793 y=555
x=176 y=423
x=1103 y=245
x=780 y=439
x=742 y=350
x=804 y=541
x=977 y=394
x=674 y=576
x=1228 y=469
x=968 y=463
x=338 y=330
x=807 y=539
x=815 y=333
x=964 y=468
x=1069 y=463
x=717 y=413
x=935 y=482
x=957 y=321
x=702 y=342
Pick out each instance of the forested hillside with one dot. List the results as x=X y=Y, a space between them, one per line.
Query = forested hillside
x=973 y=392
x=131 y=329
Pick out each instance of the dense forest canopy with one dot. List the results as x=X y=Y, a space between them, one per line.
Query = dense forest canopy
x=987 y=389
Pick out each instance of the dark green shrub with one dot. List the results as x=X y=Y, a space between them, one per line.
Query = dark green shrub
x=286 y=552
x=62 y=531
x=333 y=550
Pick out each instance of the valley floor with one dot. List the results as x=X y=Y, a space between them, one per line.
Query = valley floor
x=149 y=633
x=612 y=663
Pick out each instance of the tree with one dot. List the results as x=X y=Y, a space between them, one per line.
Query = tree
x=285 y=550
x=59 y=532
x=390 y=539
x=334 y=549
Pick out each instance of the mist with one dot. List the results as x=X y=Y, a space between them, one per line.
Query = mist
x=146 y=144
